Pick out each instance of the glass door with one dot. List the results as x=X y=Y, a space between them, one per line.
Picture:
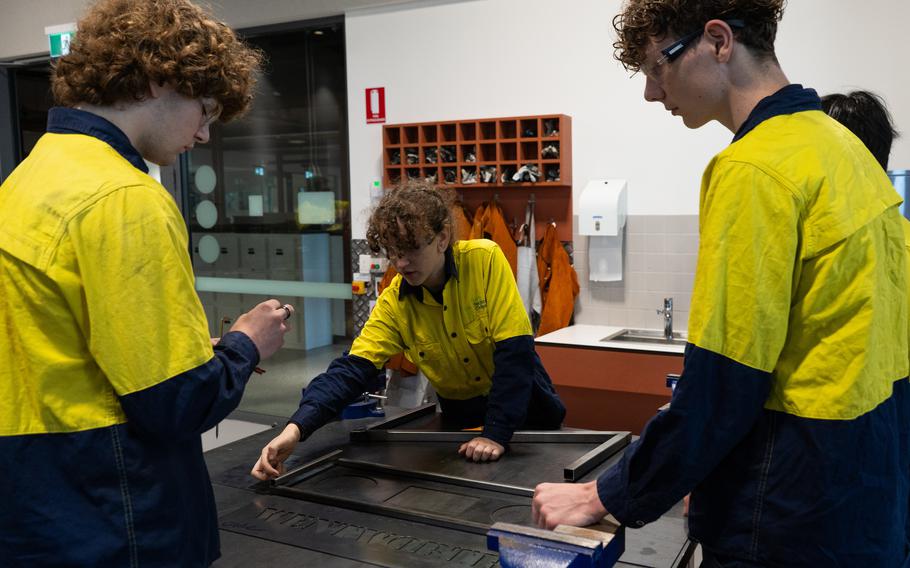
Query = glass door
x=267 y=206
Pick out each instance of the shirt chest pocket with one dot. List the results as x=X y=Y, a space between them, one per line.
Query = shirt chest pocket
x=478 y=331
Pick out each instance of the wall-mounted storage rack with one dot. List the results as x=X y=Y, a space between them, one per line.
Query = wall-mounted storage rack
x=480 y=158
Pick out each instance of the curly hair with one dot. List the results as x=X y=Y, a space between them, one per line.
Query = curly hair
x=408 y=216
x=642 y=20
x=123 y=45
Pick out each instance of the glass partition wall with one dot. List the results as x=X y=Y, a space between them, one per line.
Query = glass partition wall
x=267 y=204
x=33 y=101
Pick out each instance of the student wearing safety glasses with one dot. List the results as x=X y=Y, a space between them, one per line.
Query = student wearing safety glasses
x=790 y=424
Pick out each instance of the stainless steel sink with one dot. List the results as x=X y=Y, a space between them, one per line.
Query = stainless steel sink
x=646 y=336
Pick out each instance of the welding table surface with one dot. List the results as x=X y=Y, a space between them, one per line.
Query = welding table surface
x=656 y=545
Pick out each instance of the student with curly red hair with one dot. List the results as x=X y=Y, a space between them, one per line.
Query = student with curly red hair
x=454 y=308
x=107 y=373
x=790 y=425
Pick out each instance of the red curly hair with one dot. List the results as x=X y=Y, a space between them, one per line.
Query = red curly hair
x=642 y=20
x=418 y=207
x=123 y=45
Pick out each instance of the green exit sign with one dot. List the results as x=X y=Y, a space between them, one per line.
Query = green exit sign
x=59 y=38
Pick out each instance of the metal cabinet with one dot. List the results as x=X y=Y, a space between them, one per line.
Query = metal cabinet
x=252 y=256
x=228 y=263
x=282 y=257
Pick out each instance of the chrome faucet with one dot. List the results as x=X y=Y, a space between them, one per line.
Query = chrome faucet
x=667 y=314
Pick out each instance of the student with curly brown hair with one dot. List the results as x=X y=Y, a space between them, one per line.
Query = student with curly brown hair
x=790 y=424
x=107 y=373
x=454 y=308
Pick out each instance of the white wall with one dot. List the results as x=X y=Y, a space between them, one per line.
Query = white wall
x=488 y=58
x=22 y=24
x=842 y=45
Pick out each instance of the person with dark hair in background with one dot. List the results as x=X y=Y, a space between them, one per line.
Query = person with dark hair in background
x=790 y=424
x=455 y=310
x=866 y=115
x=108 y=376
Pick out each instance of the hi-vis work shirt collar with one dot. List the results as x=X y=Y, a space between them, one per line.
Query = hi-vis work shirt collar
x=62 y=120
x=789 y=100
x=450 y=270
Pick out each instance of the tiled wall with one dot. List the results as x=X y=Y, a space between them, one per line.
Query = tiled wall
x=659 y=262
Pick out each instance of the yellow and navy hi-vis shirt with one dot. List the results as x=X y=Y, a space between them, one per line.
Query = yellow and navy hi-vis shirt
x=476 y=342
x=452 y=342
x=790 y=422
x=107 y=375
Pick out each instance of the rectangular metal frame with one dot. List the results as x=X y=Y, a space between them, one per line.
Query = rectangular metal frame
x=611 y=443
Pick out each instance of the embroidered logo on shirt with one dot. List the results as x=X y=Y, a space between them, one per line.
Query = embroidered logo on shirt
x=480 y=304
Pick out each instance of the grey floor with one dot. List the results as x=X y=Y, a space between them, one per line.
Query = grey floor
x=230 y=430
x=277 y=391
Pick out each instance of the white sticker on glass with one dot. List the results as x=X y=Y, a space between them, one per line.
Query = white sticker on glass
x=206 y=214
x=205 y=179
x=209 y=249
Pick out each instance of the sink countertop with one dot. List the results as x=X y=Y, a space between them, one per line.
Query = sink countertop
x=590 y=336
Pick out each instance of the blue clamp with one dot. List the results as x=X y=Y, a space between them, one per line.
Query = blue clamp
x=367 y=407
x=574 y=547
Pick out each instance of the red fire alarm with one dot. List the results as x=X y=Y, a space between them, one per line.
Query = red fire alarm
x=375 y=105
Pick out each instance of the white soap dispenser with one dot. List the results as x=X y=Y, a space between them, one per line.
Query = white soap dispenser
x=602 y=218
